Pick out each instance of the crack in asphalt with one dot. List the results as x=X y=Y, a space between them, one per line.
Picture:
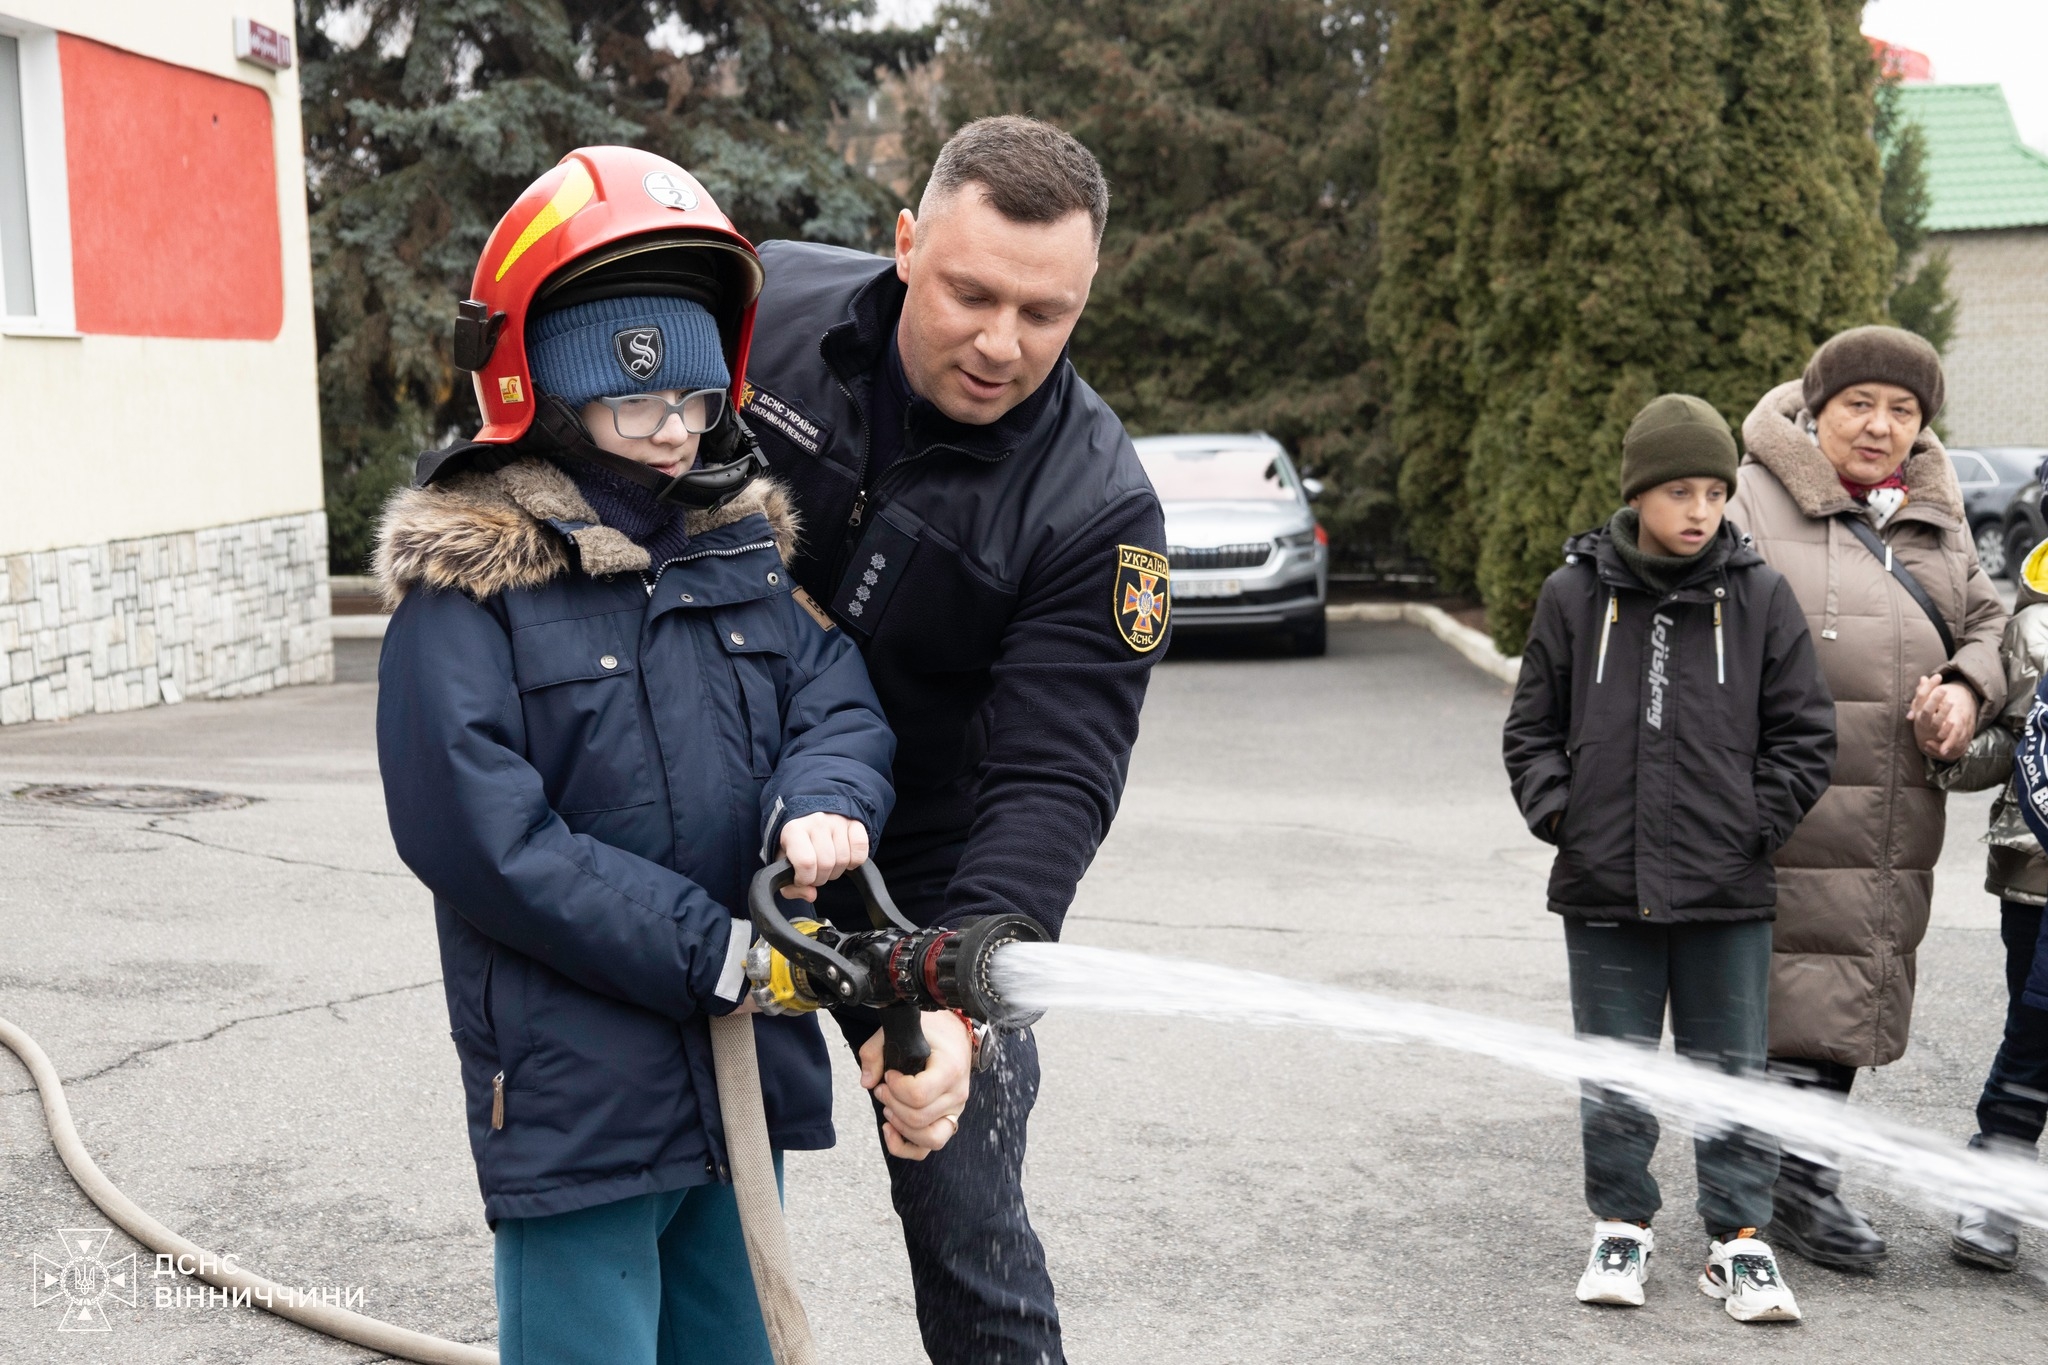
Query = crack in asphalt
x=155 y=826
x=217 y=1030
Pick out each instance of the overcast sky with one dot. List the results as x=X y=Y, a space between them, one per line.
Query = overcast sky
x=2001 y=42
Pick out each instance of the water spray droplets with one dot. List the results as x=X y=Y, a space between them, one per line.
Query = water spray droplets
x=1929 y=1167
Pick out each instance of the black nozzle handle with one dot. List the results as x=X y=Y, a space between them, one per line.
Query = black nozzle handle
x=904 y=1046
x=845 y=980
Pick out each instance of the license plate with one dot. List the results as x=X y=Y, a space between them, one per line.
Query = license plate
x=1192 y=588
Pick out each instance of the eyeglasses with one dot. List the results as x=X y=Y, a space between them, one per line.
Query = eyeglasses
x=638 y=416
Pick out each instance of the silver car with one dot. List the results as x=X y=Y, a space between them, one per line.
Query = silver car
x=1246 y=551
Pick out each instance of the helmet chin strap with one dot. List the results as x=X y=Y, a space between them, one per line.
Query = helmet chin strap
x=558 y=430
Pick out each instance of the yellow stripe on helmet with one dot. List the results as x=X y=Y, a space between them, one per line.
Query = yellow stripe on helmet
x=575 y=192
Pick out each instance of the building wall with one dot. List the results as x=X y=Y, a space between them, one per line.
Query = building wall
x=1997 y=363
x=161 y=526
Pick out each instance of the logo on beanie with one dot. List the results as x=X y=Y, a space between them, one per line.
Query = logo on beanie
x=638 y=350
x=669 y=192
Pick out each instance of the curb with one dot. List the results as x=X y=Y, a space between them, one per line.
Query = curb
x=1477 y=648
x=358 y=627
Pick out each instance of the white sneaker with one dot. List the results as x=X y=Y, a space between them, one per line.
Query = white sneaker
x=1619 y=1264
x=1743 y=1274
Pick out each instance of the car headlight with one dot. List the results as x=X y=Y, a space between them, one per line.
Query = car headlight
x=1296 y=540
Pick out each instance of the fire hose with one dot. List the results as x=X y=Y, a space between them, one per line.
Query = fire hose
x=795 y=967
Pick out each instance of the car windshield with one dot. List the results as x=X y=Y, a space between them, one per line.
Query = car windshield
x=1217 y=475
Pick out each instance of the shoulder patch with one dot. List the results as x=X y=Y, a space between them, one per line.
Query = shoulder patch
x=1139 y=597
x=816 y=613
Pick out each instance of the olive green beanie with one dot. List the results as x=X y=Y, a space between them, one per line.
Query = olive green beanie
x=1676 y=436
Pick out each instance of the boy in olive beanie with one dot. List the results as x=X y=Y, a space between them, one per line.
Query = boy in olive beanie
x=1669 y=730
x=1677 y=448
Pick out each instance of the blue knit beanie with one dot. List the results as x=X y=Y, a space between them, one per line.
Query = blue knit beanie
x=611 y=347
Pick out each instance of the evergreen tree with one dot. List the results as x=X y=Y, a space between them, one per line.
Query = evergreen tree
x=1239 y=143
x=1797 y=247
x=1920 y=301
x=1585 y=192
x=425 y=118
x=1649 y=196
x=1414 y=316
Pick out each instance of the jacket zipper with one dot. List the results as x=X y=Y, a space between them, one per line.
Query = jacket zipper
x=1720 y=656
x=861 y=498
x=1613 y=615
x=649 y=578
x=498 y=1100
x=860 y=495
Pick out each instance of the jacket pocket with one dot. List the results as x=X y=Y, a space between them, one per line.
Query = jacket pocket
x=757 y=654
x=579 y=691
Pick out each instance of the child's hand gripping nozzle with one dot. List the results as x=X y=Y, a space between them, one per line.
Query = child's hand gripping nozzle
x=895 y=967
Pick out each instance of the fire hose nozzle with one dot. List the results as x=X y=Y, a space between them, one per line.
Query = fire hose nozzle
x=895 y=967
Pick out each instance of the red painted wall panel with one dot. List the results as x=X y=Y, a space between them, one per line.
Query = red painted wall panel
x=174 y=227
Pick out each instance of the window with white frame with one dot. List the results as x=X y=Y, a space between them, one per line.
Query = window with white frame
x=35 y=215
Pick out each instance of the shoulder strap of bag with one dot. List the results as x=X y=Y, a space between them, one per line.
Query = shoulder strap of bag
x=1860 y=528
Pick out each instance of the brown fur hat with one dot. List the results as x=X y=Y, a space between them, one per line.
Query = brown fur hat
x=1876 y=355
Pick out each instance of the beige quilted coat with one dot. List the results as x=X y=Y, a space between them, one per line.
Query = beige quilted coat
x=1856 y=878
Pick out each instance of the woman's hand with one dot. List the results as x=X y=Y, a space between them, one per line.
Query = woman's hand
x=1944 y=716
x=820 y=847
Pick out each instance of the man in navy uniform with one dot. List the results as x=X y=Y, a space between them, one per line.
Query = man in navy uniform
x=976 y=519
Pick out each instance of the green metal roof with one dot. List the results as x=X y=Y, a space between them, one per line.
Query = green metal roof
x=1979 y=174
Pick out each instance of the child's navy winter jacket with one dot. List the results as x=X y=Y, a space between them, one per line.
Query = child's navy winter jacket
x=586 y=758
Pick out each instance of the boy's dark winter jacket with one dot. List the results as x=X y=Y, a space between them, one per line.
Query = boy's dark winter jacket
x=1677 y=740
x=584 y=757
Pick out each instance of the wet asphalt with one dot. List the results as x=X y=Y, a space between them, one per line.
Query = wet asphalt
x=246 y=1008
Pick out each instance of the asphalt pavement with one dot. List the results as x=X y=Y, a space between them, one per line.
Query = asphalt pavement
x=245 y=1005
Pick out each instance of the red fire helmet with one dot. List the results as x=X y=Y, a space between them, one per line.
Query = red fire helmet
x=605 y=222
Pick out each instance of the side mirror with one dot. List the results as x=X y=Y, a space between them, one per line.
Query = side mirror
x=1314 y=489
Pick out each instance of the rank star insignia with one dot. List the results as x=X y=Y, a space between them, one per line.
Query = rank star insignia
x=1141 y=600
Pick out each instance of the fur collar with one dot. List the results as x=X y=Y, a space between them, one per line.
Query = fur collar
x=488 y=532
x=1775 y=436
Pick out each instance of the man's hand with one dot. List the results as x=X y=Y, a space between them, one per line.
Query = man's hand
x=921 y=1113
x=1944 y=716
x=820 y=847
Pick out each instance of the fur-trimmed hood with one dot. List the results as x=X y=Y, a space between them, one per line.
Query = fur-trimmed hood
x=491 y=532
x=1775 y=436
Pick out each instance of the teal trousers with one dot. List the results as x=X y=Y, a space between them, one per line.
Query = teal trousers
x=658 y=1279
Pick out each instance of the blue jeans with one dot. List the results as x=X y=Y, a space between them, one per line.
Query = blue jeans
x=658 y=1279
x=2014 y=1107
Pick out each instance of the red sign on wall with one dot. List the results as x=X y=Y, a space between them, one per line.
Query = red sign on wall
x=174 y=198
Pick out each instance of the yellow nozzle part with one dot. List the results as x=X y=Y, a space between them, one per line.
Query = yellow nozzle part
x=786 y=985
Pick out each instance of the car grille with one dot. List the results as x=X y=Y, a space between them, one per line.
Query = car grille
x=1220 y=557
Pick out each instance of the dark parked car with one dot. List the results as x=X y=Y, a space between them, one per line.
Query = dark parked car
x=2003 y=501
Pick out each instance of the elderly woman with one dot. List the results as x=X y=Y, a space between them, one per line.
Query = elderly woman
x=1851 y=497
